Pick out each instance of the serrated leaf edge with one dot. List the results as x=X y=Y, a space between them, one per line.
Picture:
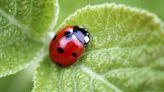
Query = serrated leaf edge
x=117 y=6
x=38 y=57
x=51 y=34
x=41 y=54
x=25 y=28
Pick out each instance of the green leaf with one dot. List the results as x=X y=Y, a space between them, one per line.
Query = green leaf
x=21 y=21
x=125 y=54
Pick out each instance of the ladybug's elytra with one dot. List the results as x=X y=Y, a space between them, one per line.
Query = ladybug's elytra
x=68 y=45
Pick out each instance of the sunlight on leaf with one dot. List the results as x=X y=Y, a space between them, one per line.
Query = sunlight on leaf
x=21 y=22
x=125 y=53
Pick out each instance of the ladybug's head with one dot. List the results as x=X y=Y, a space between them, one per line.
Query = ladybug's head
x=81 y=34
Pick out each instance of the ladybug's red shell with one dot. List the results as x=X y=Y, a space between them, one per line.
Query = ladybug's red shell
x=66 y=47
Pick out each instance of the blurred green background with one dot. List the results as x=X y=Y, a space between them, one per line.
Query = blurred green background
x=22 y=81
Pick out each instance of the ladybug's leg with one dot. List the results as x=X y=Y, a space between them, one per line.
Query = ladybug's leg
x=59 y=64
x=54 y=38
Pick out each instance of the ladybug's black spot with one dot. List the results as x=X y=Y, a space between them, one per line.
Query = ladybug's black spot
x=60 y=50
x=59 y=64
x=74 y=55
x=68 y=35
x=54 y=38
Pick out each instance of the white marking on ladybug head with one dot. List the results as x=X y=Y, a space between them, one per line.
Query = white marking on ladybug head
x=86 y=38
x=71 y=30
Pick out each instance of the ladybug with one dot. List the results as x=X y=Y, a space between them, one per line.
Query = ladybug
x=68 y=45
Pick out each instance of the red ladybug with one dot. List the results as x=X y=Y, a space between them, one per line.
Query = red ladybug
x=68 y=45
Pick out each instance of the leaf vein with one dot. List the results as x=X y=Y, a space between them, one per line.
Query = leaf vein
x=14 y=21
x=98 y=77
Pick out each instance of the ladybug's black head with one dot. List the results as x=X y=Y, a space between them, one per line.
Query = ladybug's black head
x=81 y=34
